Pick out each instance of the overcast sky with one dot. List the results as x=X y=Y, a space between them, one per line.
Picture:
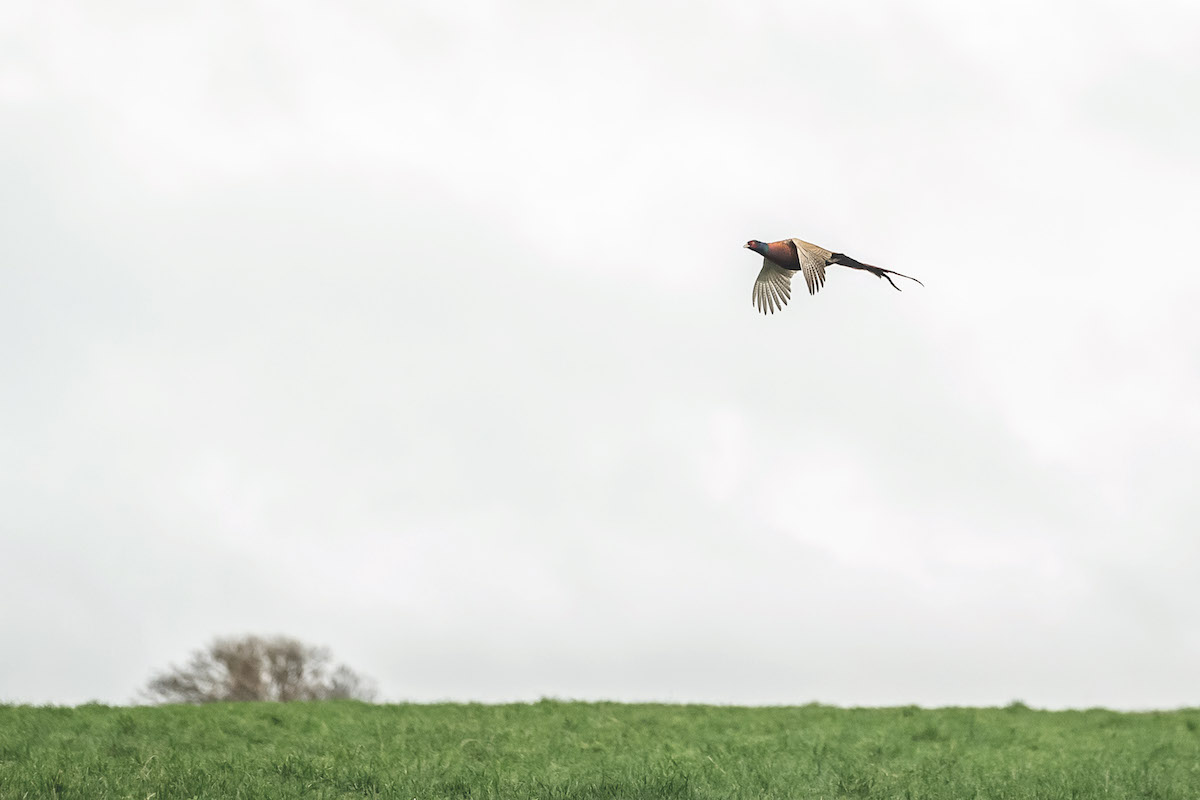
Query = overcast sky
x=423 y=331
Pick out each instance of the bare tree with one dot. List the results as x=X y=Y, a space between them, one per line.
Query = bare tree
x=257 y=668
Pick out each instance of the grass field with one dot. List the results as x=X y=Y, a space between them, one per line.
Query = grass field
x=593 y=750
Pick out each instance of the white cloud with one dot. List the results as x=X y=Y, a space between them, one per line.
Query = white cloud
x=426 y=332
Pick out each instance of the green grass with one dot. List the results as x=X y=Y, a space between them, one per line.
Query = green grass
x=590 y=751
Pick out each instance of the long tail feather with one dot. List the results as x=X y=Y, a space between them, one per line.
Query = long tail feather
x=847 y=261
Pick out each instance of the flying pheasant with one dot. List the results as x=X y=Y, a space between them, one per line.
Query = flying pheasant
x=782 y=259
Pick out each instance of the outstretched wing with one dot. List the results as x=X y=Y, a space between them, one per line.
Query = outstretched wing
x=812 y=263
x=772 y=287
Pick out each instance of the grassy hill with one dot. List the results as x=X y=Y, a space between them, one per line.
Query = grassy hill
x=553 y=750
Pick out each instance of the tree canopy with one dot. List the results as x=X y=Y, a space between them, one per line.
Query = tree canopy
x=251 y=668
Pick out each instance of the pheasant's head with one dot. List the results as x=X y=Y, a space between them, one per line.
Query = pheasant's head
x=756 y=246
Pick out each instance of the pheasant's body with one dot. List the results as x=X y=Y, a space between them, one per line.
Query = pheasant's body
x=787 y=252
x=783 y=259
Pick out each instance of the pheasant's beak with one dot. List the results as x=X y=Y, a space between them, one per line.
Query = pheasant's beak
x=747 y=244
